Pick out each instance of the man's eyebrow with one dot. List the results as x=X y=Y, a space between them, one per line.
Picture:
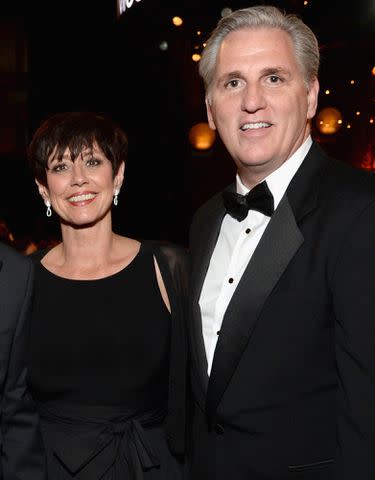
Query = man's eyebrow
x=230 y=75
x=275 y=70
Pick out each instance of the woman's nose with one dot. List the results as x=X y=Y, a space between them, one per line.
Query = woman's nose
x=79 y=176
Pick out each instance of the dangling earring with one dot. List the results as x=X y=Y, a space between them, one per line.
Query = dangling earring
x=115 y=197
x=48 y=205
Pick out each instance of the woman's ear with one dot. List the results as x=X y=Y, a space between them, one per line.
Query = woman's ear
x=119 y=177
x=43 y=191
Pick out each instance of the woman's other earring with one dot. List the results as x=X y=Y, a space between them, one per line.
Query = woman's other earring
x=115 y=197
x=48 y=205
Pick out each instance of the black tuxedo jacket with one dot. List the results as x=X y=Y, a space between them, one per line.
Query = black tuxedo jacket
x=292 y=387
x=22 y=455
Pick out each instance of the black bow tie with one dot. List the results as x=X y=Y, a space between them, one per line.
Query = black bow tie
x=259 y=198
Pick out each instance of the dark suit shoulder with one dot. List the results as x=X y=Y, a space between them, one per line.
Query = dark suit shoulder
x=13 y=258
x=350 y=178
x=16 y=276
x=208 y=209
x=37 y=256
x=350 y=187
x=210 y=204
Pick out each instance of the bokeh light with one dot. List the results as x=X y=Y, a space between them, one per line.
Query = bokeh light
x=201 y=136
x=329 y=121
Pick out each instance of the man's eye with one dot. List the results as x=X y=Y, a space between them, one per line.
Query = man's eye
x=274 y=79
x=233 y=83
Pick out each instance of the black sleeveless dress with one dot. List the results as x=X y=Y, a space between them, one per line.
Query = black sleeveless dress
x=99 y=370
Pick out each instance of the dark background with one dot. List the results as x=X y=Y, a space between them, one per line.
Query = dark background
x=80 y=55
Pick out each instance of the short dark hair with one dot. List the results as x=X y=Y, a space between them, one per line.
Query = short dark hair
x=76 y=131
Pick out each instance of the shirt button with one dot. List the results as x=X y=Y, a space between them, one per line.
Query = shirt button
x=218 y=332
x=219 y=429
x=248 y=230
x=231 y=280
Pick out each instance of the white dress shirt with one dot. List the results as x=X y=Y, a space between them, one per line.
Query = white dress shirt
x=234 y=248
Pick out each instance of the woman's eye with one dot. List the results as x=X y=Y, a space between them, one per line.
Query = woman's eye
x=60 y=167
x=93 y=162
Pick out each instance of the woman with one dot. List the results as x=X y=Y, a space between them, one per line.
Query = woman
x=107 y=366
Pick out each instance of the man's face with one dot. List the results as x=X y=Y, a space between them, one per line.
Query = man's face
x=259 y=101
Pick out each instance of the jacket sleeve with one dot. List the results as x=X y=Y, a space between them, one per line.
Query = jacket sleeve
x=22 y=453
x=354 y=307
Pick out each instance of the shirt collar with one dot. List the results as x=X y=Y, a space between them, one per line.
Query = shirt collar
x=279 y=180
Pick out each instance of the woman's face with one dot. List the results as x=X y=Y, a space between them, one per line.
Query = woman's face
x=81 y=191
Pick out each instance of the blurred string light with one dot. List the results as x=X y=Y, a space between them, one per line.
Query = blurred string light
x=226 y=11
x=163 y=45
x=357 y=113
x=177 y=21
x=197 y=44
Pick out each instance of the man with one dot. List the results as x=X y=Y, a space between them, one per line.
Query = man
x=22 y=455
x=283 y=304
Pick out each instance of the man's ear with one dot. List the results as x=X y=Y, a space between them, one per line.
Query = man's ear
x=210 y=116
x=119 y=177
x=43 y=190
x=312 y=98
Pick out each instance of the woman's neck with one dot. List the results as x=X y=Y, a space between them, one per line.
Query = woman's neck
x=87 y=245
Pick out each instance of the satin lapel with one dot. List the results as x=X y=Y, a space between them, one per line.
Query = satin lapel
x=208 y=234
x=278 y=245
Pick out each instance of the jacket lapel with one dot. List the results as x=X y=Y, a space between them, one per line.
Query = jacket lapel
x=202 y=254
x=278 y=245
x=261 y=275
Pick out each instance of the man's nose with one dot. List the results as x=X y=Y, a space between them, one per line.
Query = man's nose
x=253 y=98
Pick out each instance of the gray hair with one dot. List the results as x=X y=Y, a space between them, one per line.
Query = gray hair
x=304 y=40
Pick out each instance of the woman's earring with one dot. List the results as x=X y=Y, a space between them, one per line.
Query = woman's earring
x=48 y=205
x=115 y=197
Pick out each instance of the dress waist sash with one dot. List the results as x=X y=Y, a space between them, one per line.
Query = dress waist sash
x=89 y=441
